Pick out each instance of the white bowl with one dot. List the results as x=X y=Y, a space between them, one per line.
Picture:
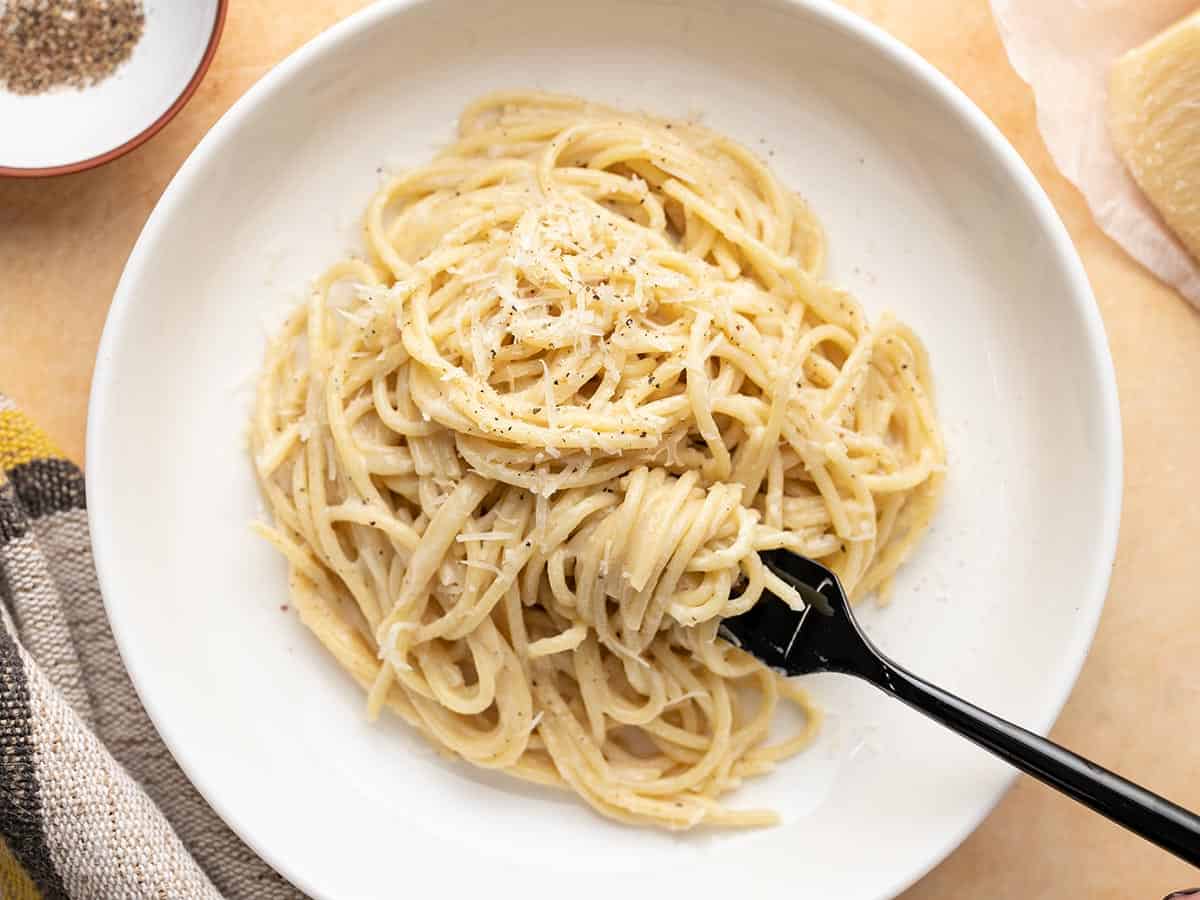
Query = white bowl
x=929 y=212
x=68 y=130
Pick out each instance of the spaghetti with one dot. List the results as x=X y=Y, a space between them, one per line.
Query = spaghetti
x=521 y=458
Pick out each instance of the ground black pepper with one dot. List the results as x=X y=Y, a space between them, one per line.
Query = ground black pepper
x=46 y=44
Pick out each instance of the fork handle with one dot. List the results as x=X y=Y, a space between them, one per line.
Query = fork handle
x=1155 y=818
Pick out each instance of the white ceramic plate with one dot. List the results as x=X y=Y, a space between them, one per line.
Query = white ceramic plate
x=67 y=130
x=929 y=213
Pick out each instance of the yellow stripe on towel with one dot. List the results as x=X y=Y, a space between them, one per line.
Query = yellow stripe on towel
x=22 y=441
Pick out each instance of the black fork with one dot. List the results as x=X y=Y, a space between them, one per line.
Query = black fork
x=824 y=637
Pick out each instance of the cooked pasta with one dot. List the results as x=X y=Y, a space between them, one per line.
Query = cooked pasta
x=522 y=456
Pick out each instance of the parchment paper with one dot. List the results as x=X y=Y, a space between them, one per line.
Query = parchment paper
x=1063 y=49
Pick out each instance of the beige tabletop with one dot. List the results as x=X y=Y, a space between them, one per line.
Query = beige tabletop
x=1136 y=707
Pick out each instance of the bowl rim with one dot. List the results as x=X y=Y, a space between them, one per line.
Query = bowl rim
x=91 y=162
x=877 y=40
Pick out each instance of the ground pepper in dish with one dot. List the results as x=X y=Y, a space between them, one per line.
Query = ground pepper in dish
x=45 y=44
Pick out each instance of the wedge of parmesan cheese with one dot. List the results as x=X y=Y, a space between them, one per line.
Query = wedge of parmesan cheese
x=1154 y=117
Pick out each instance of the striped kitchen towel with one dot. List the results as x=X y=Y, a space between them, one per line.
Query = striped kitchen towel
x=92 y=806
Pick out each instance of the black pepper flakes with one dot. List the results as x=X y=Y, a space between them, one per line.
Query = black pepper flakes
x=47 y=44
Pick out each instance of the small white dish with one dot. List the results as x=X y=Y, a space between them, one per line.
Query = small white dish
x=929 y=212
x=68 y=129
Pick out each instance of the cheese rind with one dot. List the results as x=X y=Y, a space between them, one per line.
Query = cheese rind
x=1154 y=118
